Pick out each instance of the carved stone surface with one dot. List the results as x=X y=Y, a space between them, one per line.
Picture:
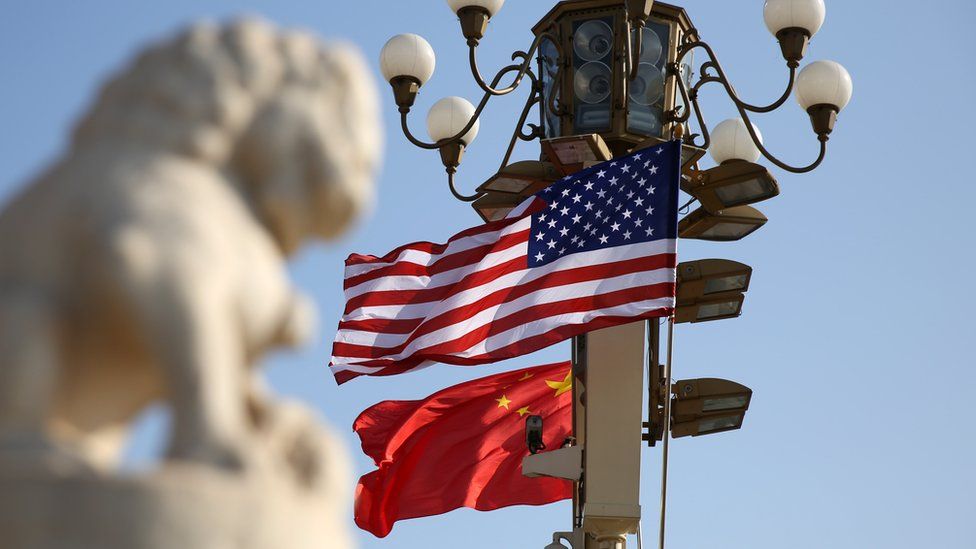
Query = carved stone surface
x=147 y=264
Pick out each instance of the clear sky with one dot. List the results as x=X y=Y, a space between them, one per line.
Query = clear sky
x=856 y=335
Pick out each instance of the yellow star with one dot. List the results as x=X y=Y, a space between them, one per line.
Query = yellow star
x=563 y=386
x=522 y=411
x=503 y=402
x=525 y=376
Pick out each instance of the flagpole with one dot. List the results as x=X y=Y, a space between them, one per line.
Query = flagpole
x=667 y=431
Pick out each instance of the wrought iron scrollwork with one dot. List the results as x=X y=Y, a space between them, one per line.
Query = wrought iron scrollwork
x=523 y=130
x=712 y=71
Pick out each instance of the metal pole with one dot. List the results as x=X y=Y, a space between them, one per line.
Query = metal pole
x=667 y=431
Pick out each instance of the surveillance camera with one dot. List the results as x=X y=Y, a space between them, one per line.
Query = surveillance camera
x=533 y=434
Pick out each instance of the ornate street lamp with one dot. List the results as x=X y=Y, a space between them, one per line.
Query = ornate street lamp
x=622 y=70
x=609 y=77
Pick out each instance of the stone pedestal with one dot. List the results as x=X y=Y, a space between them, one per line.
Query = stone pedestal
x=177 y=507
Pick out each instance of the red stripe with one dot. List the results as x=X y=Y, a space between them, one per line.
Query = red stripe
x=430 y=247
x=454 y=261
x=381 y=325
x=346 y=375
x=504 y=295
x=427 y=295
x=499 y=325
x=522 y=347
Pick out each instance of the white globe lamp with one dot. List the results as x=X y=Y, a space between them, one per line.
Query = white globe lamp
x=407 y=55
x=407 y=62
x=799 y=14
x=730 y=141
x=448 y=117
x=793 y=23
x=823 y=89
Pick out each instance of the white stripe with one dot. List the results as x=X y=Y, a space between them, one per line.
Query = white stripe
x=419 y=257
x=488 y=315
x=359 y=369
x=580 y=259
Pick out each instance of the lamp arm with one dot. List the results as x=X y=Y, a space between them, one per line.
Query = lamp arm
x=693 y=101
x=755 y=139
x=536 y=131
x=454 y=191
x=534 y=98
x=457 y=137
x=550 y=103
x=634 y=54
x=743 y=108
x=723 y=79
x=523 y=68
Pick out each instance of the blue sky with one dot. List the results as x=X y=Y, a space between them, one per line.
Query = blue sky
x=856 y=334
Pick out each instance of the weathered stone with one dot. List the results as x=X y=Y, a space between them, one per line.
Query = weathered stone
x=148 y=264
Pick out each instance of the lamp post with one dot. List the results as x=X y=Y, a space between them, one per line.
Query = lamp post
x=609 y=77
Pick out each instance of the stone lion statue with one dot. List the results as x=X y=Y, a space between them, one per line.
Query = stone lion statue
x=148 y=263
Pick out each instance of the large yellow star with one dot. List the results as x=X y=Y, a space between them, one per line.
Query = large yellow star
x=503 y=402
x=562 y=386
x=522 y=411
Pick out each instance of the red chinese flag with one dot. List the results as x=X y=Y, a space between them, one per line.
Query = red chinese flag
x=461 y=447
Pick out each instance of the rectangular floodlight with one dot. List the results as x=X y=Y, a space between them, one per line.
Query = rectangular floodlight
x=724 y=226
x=569 y=154
x=709 y=277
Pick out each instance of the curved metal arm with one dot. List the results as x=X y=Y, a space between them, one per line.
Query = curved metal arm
x=808 y=168
x=534 y=97
x=467 y=127
x=633 y=61
x=743 y=108
x=560 y=109
x=523 y=68
x=459 y=196
x=723 y=79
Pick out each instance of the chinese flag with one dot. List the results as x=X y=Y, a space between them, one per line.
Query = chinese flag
x=461 y=447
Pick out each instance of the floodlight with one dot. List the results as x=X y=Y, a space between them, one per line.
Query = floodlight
x=734 y=183
x=493 y=206
x=709 y=277
x=707 y=425
x=704 y=310
x=708 y=405
x=523 y=178
x=568 y=154
x=723 y=226
x=694 y=397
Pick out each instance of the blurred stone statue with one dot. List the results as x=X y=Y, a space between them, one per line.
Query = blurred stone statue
x=148 y=264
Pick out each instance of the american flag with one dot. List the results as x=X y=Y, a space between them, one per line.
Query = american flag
x=593 y=250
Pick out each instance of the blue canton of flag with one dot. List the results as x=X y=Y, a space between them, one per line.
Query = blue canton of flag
x=628 y=200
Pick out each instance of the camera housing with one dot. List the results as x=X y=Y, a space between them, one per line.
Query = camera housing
x=533 y=434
